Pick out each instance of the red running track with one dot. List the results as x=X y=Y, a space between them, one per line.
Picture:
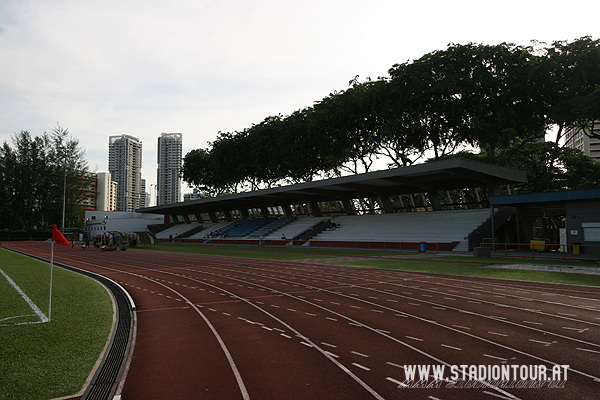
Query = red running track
x=229 y=328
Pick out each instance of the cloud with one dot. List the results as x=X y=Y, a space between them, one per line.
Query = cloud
x=199 y=67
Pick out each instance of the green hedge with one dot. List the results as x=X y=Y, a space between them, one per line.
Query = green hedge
x=22 y=235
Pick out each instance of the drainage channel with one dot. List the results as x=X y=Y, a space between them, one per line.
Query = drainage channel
x=107 y=382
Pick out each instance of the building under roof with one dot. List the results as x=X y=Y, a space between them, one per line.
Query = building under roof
x=426 y=178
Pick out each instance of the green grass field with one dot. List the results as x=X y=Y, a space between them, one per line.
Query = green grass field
x=442 y=264
x=52 y=359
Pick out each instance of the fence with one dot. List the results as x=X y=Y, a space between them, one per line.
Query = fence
x=413 y=247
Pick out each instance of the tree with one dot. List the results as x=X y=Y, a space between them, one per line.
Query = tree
x=8 y=199
x=31 y=175
x=470 y=94
x=65 y=153
x=568 y=74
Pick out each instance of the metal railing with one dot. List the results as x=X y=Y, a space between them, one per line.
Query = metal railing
x=580 y=252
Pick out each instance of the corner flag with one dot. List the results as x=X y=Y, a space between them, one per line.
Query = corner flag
x=58 y=237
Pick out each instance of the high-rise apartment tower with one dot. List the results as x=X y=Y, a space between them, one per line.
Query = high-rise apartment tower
x=125 y=167
x=168 y=180
x=575 y=138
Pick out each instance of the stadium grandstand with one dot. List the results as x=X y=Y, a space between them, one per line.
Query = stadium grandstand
x=442 y=204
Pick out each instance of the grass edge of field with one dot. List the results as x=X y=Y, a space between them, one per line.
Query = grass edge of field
x=55 y=359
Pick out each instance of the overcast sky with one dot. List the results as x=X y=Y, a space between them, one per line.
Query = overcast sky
x=102 y=68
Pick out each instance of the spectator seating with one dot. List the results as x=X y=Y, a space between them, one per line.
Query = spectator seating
x=453 y=226
x=271 y=227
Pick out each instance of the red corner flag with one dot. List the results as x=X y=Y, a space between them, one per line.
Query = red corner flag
x=58 y=237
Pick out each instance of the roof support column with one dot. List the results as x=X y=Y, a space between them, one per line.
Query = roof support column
x=348 y=207
x=213 y=217
x=386 y=203
x=264 y=210
x=228 y=215
x=244 y=212
x=186 y=219
x=199 y=218
x=495 y=189
x=434 y=199
x=316 y=210
x=288 y=210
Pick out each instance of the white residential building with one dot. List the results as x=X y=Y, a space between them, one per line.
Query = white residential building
x=577 y=139
x=125 y=166
x=168 y=180
x=103 y=222
x=106 y=196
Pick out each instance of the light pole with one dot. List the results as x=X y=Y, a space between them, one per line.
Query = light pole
x=64 y=153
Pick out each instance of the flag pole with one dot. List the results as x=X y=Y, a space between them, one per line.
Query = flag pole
x=51 y=268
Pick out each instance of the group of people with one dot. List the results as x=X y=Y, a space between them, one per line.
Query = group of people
x=107 y=243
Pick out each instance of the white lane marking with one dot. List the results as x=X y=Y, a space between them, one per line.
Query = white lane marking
x=496 y=333
x=332 y=354
x=414 y=338
x=291 y=309
x=395 y=365
x=306 y=344
x=580 y=330
x=539 y=341
x=355 y=306
x=497 y=358
x=592 y=351
x=361 y=366
x=359 y=354
x=285 y=336
x=311 y=314
x=31 y=304
x=328 y=345
x=499 y=396
x=451 y=347
x=458 y=326
x=531 y=322
x=400 y=384
x=379 y=311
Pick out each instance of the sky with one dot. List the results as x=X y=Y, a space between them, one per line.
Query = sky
x=198 y=67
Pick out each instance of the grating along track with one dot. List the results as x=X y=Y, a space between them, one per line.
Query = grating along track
x=112 y=369
x=105 y=382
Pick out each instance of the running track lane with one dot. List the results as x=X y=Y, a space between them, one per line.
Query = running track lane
x=218 y=327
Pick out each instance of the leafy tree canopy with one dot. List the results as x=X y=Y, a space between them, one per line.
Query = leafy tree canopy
x=498 y=100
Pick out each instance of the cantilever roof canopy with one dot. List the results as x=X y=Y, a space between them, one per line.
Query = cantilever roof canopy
x=440 y=175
